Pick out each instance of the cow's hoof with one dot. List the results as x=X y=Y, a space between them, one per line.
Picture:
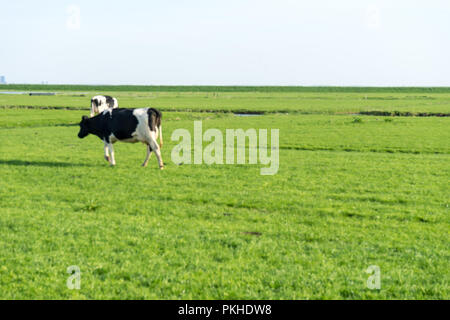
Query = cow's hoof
x=161 y=168
x=144 y=165
x=107 y=158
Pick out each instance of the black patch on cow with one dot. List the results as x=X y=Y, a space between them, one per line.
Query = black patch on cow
x=94 y=102
x=154 y=118
x=109 y=101
x=120 y=122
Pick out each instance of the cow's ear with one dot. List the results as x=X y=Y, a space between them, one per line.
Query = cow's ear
x=84 y=118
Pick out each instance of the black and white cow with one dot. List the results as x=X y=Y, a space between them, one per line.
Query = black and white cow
x=101 y=103
x=127 y=125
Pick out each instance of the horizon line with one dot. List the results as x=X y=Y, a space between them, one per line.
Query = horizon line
x=225 y=85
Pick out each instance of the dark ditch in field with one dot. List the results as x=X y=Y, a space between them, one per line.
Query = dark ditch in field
x=40 y=125
x=397 y=151
x=16 y=162
x=238 y=112
x=42 y=93
x=402 y=114
x=248 y=113
x=29 y=93
x=241 y=113
x=44 y=107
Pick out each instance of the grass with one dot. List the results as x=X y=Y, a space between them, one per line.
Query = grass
x=348 y=194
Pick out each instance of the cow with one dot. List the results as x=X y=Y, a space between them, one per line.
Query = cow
x=101 y=103
x=127 y=125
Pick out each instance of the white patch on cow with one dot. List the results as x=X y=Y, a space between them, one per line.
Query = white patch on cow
x=142 y=116
x=144 y=134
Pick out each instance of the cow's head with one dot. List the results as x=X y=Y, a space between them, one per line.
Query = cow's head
x=84 y=127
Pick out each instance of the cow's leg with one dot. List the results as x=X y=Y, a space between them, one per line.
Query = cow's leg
x=149 y=153
x=106 y=152
x=111 y=152
x=157 y=150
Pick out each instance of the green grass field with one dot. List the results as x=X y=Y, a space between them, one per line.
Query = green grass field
x=351 y=191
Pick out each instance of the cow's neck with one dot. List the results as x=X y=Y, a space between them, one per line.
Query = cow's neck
x=95 y=127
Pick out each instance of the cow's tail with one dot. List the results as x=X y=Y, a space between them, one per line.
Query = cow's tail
x=160 y=136
x=154 y=122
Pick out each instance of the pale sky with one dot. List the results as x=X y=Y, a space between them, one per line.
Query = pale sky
x=229 y=42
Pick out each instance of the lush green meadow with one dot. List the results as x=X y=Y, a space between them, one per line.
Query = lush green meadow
x=351 y=191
